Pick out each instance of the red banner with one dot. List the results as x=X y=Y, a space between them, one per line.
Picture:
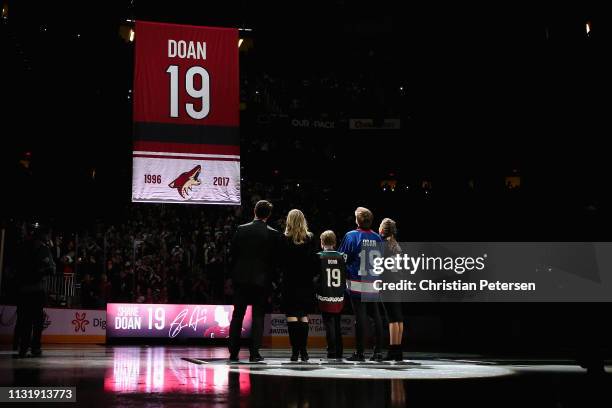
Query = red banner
x=186 y=114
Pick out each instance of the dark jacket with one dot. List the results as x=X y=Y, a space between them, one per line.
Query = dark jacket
x=255 y=253
x=300 y=266
x=35 y=265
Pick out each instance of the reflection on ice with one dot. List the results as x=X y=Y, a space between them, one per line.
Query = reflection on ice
x=159 y=370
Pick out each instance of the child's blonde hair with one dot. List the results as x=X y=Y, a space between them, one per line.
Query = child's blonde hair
x=364 y=217
x=328 y=239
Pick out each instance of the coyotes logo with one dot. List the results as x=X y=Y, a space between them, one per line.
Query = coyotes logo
x=186 y=181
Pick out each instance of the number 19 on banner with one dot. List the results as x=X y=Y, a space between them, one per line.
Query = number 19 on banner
x=203 y=93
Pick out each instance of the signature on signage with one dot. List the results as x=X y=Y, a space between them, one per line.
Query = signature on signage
x=198 y=315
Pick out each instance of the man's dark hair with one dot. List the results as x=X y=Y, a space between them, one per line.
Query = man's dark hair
x=263 y=209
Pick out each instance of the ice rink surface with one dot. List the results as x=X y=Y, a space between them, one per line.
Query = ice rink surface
x=155 y=376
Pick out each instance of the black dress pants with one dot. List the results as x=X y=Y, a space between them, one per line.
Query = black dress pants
x=245 y=295
x=31 y=319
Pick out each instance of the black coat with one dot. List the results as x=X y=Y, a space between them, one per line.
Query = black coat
x=255 y=253
x=300 y=266
x=35 y=263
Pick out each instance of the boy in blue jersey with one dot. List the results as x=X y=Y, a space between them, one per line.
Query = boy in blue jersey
x=357 y=245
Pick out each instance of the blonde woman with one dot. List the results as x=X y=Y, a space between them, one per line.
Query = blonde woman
x=299 y=267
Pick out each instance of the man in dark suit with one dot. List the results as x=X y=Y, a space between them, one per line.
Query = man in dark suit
x=253 y=257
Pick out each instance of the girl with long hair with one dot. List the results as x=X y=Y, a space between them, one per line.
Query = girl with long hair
x=388 y=232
